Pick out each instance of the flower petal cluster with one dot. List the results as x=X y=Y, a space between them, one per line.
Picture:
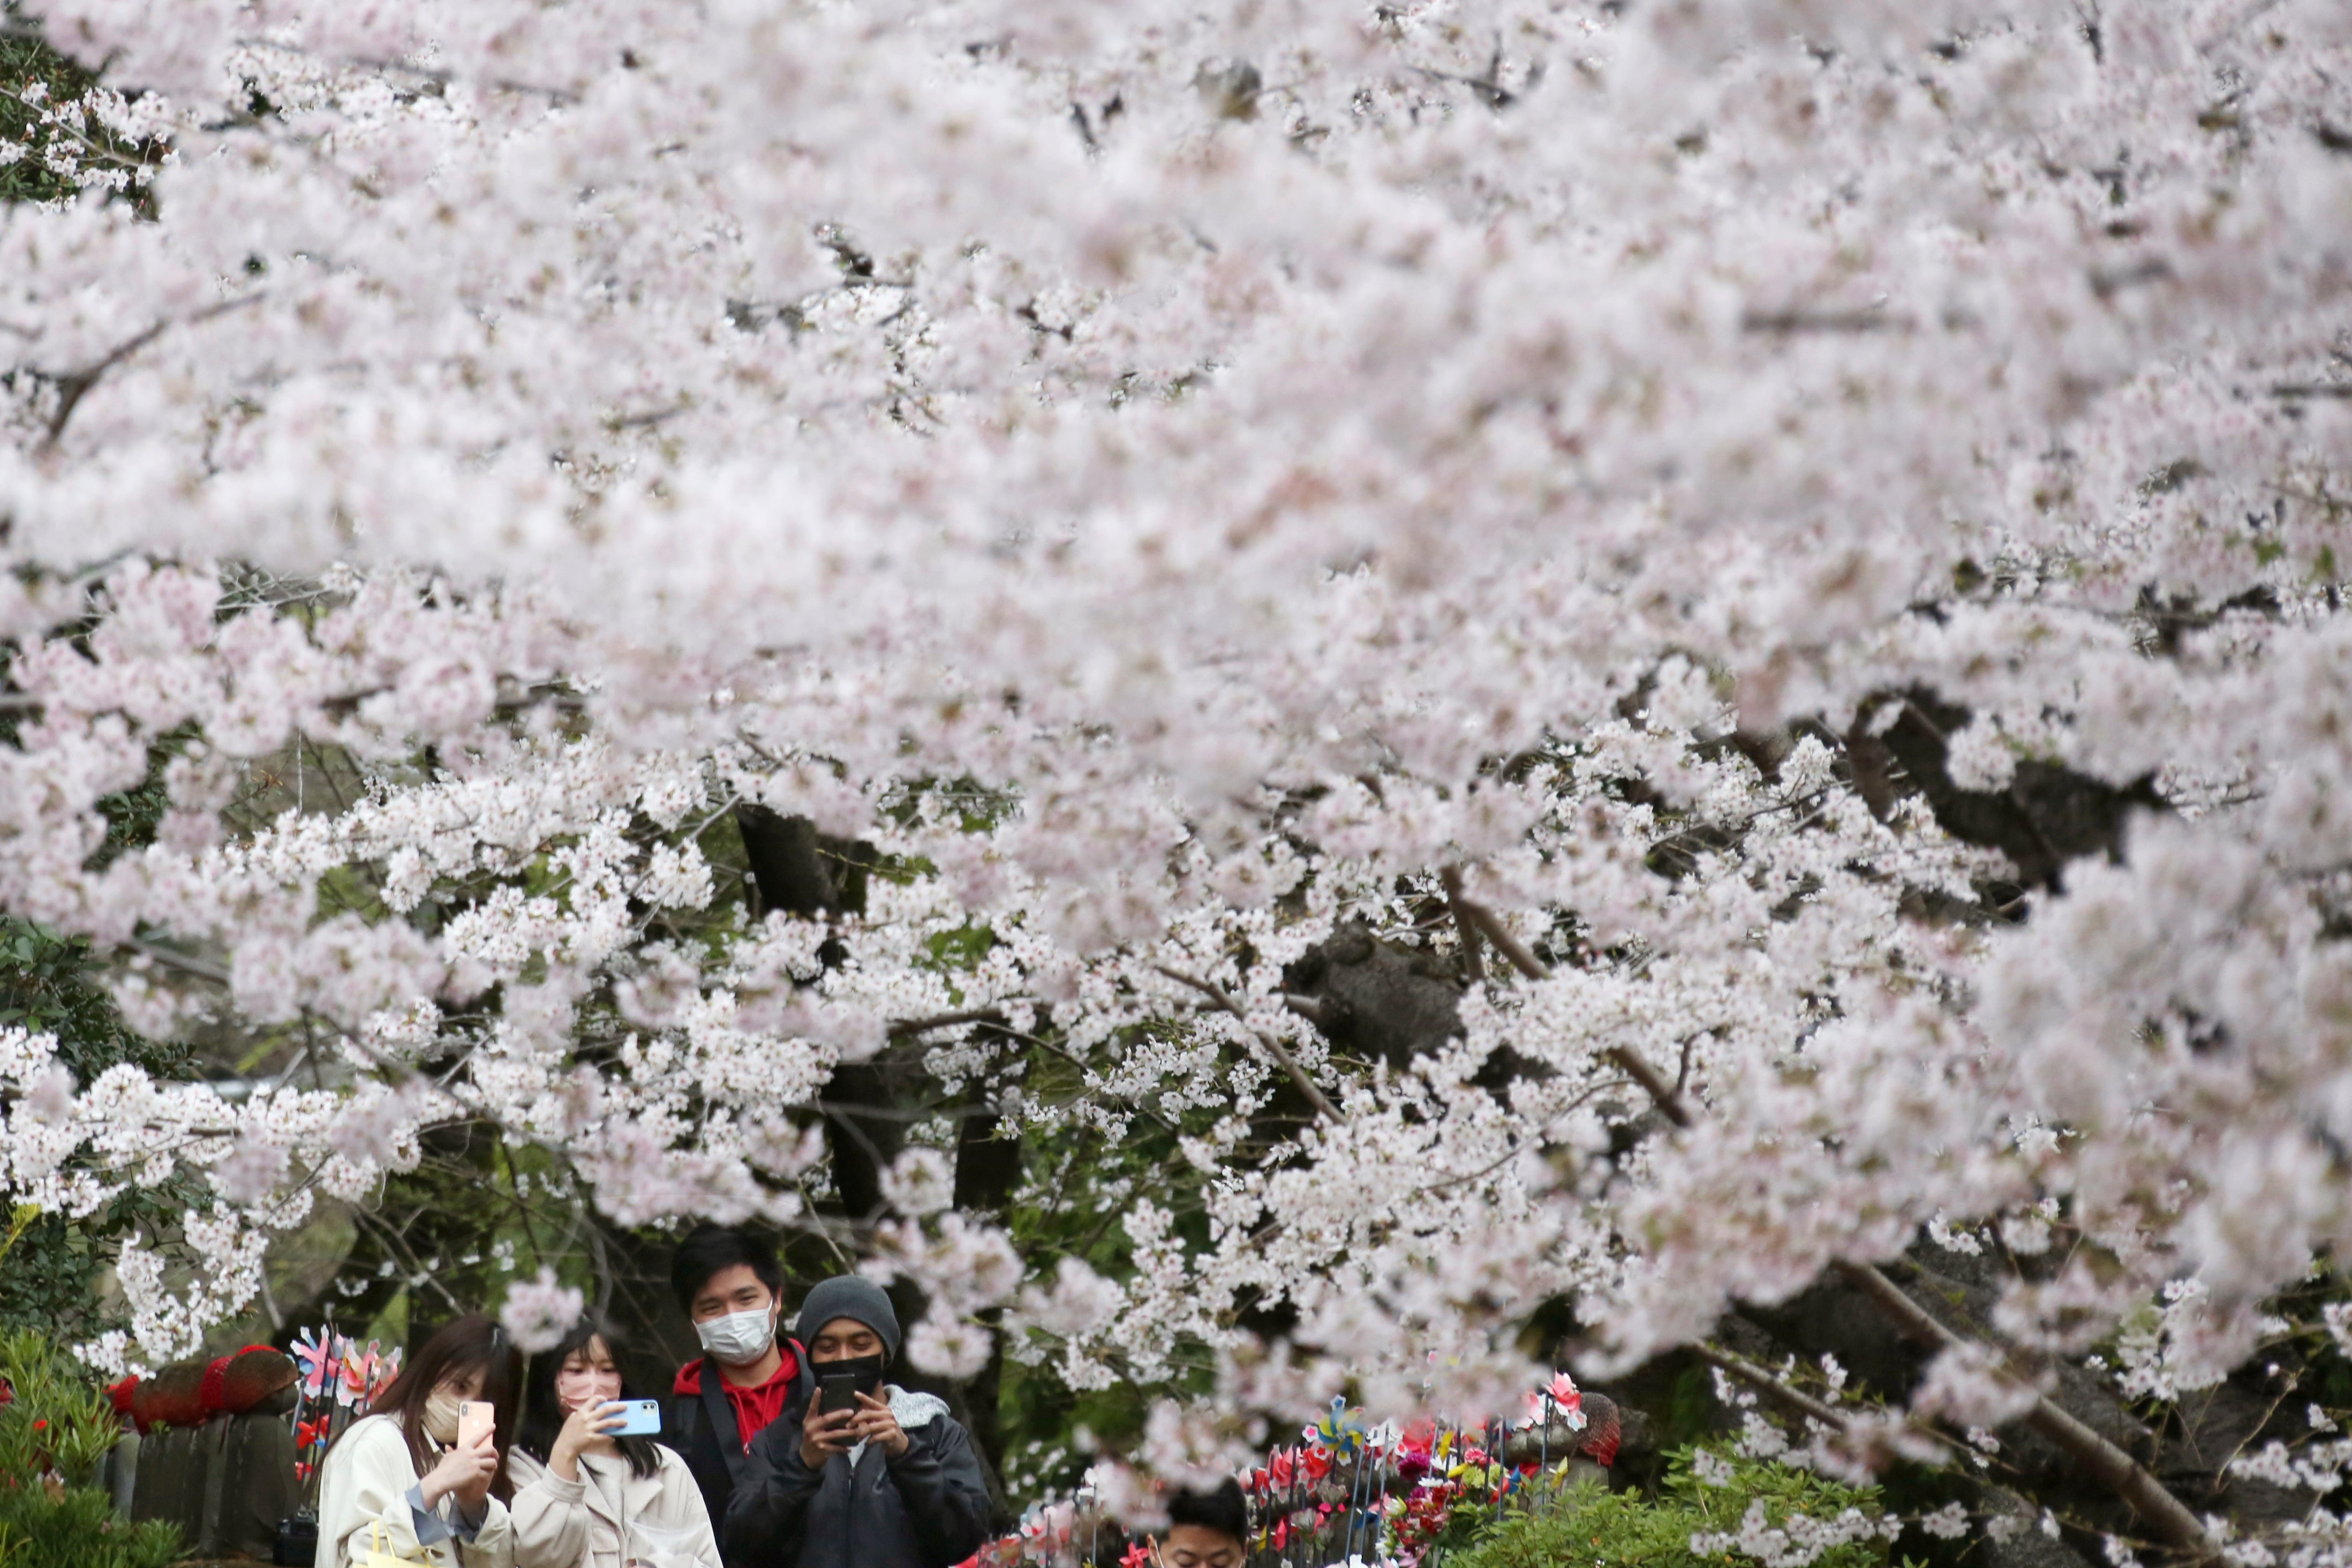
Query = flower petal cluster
x=1743 y=538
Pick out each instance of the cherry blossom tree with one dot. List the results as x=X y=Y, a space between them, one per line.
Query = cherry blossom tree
x=1626 y=658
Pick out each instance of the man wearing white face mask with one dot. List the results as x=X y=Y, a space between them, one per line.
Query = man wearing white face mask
x=732 y=1287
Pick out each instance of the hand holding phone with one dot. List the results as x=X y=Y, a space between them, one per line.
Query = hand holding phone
x=878 y=1425
x=467 y=1469
x=477 y=1423
x=462 y=1473
x=825 y=1430
x=836 y=1391
x=638 y=1417
x=589 y=1430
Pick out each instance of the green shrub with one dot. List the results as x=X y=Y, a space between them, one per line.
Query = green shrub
x=59 y=1420
x=50 y=1265
x=1592 y=1527
x=54 y=1432
x=76 y=1527
x=32 y=76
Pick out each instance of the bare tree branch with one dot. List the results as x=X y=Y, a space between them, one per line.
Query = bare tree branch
x=906 y=1028
x=2118 y=1470
x=73 y=386
x=1795 y=1401
x=1528 y=964
x=1473 y=966
x=1274 y=1048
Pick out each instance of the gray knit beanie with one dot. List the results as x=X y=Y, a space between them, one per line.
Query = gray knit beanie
x=849 y=1296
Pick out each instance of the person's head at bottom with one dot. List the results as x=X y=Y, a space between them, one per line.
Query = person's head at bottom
x=1206 y=1530
x=851 y=1334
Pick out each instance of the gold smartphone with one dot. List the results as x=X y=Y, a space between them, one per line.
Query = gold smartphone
x=476 y=1418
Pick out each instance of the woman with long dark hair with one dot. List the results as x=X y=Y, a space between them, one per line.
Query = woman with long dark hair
x=399 y=1481
x=586 y=1497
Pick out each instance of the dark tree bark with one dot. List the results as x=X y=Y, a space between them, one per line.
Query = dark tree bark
x=632 y=1276
x=798 y=869
x=1376 y=1000
x=865 y=1130
x=987 y=1175
x=801 y=871
x=2047 y=817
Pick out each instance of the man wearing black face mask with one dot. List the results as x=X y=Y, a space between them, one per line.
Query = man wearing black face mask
x=889 y=1482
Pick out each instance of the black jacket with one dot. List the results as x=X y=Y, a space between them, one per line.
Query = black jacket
x=701 y=1427
x=927 y=1509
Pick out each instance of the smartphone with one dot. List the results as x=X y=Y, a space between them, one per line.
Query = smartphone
x=836 y=1391
x=640 y=1417
x=475 y=1420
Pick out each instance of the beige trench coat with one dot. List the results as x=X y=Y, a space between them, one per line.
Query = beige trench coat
x=579 y=1525
x=366 y=1482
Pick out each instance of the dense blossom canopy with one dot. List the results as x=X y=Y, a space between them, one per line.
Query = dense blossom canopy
x=1677 y=484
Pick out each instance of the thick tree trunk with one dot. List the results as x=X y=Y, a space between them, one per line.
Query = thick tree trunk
x=2046 y=816
x=1374 y=1000
x=988 y=1172
x=801 y=871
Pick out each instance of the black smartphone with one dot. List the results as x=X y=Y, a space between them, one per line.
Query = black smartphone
x=836 y=1391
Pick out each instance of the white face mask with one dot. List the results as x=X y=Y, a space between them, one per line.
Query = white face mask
x=441 y=1416
x=739 y=1337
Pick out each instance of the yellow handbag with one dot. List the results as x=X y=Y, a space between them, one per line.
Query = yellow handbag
x=379 y=1555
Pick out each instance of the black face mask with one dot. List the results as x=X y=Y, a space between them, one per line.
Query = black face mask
x=868 y=1369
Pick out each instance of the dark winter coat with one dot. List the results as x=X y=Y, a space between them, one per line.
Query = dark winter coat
x=701 y=1427
x=926 y=1508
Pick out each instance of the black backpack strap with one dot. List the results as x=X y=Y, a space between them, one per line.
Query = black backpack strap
x=721 y=1411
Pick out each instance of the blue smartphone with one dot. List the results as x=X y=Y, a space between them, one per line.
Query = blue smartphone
x=640 y=1417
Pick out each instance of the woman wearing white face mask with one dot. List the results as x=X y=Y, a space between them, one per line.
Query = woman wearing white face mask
x=398 y=1482
x=748 y=1377
x=585 y=1497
